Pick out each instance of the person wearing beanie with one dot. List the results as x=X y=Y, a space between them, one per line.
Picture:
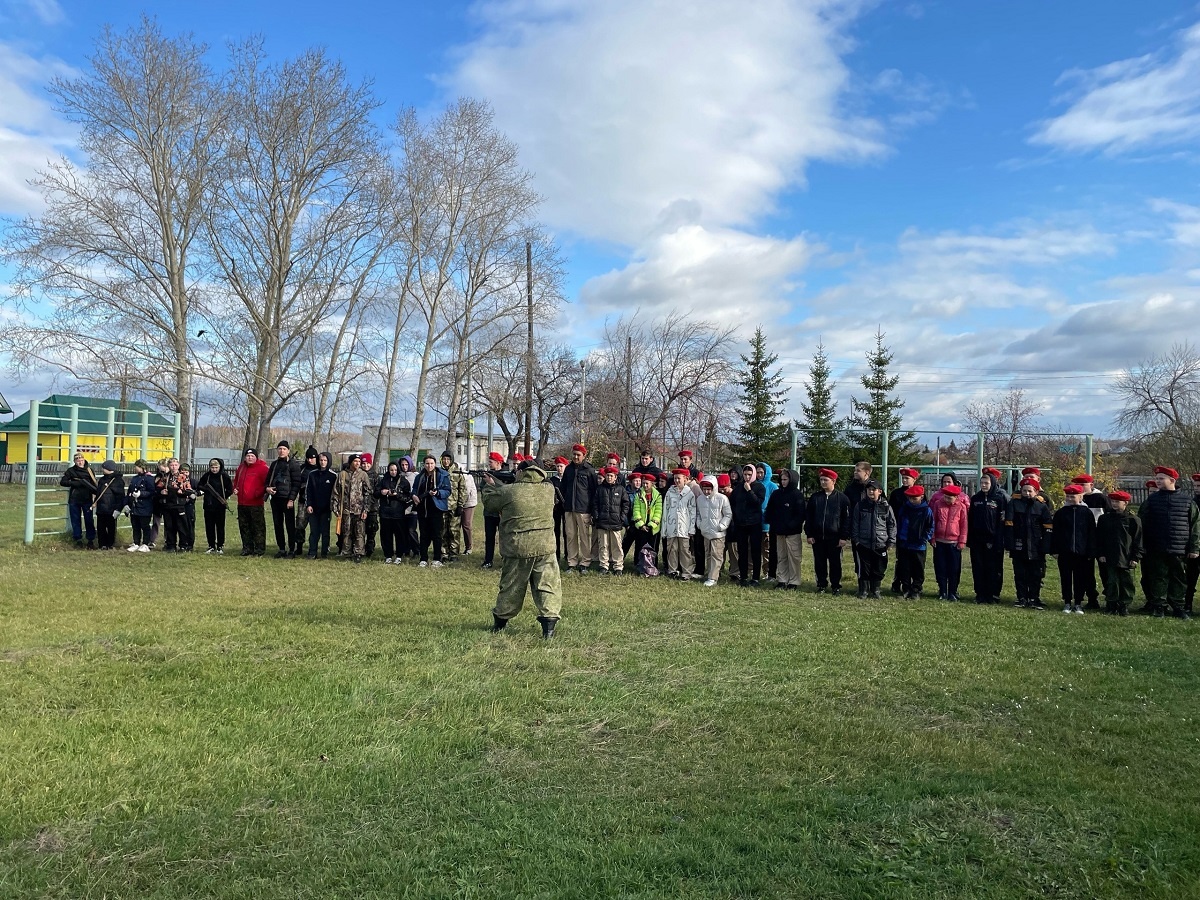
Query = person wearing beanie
x=395 y=497
x=579 y=483
x=81 y=491
x=985 y=536
x=175 y=490
x=678 y=526
x=1027 y=538
x=309 y=466
x=452 y=536
x=140 y=500
x=1171 y=536
x=914 y=531
x=491 y=523
x=1119 y=547
x=526 y=511
x=785 y=514
x=216 y=487
x=283 y=490
x=610 y=512
x=827 y=526
x=951 y=510
x=1074 y=546
x=645 y=519
x=110 y=500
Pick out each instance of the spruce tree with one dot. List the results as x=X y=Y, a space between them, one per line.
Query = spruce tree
x=880 y=411
x=762 y=435
x=821 y=432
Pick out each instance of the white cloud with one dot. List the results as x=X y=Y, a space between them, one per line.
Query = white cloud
x=30 y=132
x=1146 y=101
x=627 y=108
x=1185 y=221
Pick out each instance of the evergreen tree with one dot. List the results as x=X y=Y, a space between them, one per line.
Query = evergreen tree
x=880 y=411
x=762 y=435
x=821 y=439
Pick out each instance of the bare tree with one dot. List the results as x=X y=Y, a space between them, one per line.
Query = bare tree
x=1160 y=407
x=1006 y=423
x=657 y=378
x=114 y=249
x=499 y=387
x=294 y=227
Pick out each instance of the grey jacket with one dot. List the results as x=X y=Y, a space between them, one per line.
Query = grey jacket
x=873 y=525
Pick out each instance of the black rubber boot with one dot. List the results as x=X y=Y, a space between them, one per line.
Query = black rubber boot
x=498 y=623
x=862 y=589
x=875 y=586
x=547 y=627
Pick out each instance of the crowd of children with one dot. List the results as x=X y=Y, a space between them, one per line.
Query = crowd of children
x=687 y=525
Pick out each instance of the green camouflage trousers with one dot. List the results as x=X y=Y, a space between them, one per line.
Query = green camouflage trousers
x=537 y=573
x=1166 y=580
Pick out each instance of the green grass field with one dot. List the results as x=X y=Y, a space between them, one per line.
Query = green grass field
x=191 y=726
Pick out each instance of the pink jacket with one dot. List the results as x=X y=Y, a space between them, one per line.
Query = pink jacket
x=950 y=519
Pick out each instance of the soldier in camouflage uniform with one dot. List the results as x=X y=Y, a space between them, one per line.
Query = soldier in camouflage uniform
x=372 y=523
x=526 y=511
x=351 y=501
x=452 y=537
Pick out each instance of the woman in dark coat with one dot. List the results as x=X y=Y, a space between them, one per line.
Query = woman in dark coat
x=395 y=496
x=318 y=497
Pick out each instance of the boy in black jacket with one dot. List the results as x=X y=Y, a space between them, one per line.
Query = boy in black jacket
x=1027 y=539
x=985 y=537
x=1119 y=547
x=827 y=524
x=610 y=514
x=1073 y=542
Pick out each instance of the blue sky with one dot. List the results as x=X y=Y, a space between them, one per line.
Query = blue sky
x=1010 y=190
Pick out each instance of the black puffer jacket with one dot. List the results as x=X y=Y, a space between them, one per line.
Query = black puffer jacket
x=786 y=507
x=1170 y=523
x=578 y=487
x=873 y=524
x=610 y=507
x=284 y=476
x=1074 y=531
x=986 y=518
x=828 y=516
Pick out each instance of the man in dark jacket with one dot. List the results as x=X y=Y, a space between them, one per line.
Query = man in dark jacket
x=110 y=500
x=1171 y=533
x=785 y=514
x=854 y=493
x=81 y=490
x=579 y=482
x=985 y=537
x=301 y=508
x=646 y=466
x=491 y=523
x=827 y=524
x=283 y=489
x=611 y=507
x=747 y=503
x=1027 y=539
x=1074 y=544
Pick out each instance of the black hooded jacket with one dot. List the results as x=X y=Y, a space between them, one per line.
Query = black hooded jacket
x=986 y=517
x=786 y=507
x=215 y=487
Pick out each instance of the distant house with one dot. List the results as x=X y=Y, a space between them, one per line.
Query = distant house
x=104 y=430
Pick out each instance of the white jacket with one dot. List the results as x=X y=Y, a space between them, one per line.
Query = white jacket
x=713 y=513
x=678 y=513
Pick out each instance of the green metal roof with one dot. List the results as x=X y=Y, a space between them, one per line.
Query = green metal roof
x=54 y=415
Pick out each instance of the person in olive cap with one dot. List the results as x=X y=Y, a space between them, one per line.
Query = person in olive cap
x=526 y=511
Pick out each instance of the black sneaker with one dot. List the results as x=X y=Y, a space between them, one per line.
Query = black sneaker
x=1037 y=604
x=836 y=592
x=486 y=565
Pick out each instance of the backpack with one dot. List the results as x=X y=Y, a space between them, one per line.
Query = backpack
x=647 y=562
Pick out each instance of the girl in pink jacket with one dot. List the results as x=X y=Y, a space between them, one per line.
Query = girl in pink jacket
x=949 y=507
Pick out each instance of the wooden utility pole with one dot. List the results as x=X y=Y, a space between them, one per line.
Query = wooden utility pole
x=529 y=351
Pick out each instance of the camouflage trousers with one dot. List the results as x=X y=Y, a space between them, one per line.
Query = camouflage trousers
x=354 y=535
x=536 y=573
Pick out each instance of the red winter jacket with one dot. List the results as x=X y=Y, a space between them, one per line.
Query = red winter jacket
x=250 y=482
x=949 y=519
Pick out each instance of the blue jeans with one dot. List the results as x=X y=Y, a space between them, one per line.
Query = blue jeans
x=84 y=510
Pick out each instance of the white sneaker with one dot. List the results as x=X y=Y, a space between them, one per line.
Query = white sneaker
x=1067 y=608
x=388 y=561
x=134 y=548
x=437 y=564
x=709 y=583
x=1079 y=609
x=144 y=548
x=423 y=564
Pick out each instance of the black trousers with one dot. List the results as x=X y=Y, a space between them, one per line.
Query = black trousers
x=947 y=567
x=411 y=535
x=141 y=528
x=987 y=572
x=214 y=527
x=1028 y=573
x=318 y=532
x=910 y=569
x=285 y=524
x=698 y=552
x=559 y=535
x=749 y=544
x=106 y=529
x=431 y=532
x=491 y=526
x=1078 y=575
x=172 y=524
x=390 y=536
x=872 y=564
x=827 y=560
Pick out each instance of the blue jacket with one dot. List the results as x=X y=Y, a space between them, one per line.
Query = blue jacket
x=914 y=526
x=439 y=493
x=770 y=487
x=140 y=495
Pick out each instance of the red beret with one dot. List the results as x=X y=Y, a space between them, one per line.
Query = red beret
x=683 y=453
x=610 y=470
x=952 y=489
x=911 y=473
x=638 y=475
x=1073 y=489
x=1196 y=476
x=496 y=456
x=579 y=448
x=614 y=456
x=827 y=473
x=1030 y=481
x=1083 y=479
x=1166 y=470
x=1031 y=470
x=681 y=471
x=562 y=459
x=1149 y=484
x=722 y=480
x=915 y=491
x=1119 y=495
x=994 y=473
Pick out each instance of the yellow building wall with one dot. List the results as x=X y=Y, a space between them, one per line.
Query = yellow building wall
x=57 y=447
